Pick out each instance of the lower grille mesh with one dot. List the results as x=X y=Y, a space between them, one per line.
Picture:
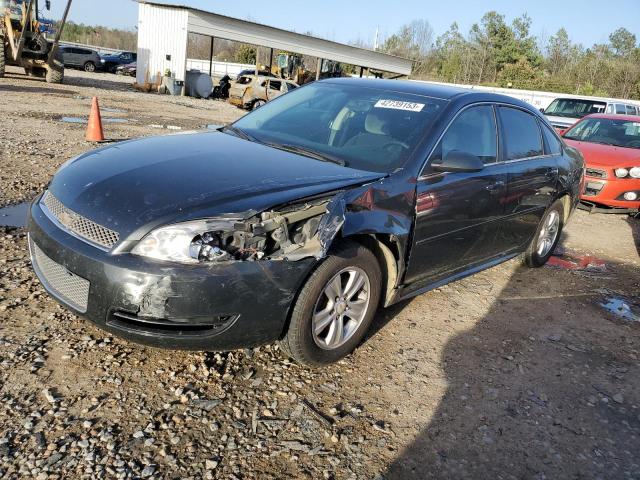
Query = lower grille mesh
x=68 y=287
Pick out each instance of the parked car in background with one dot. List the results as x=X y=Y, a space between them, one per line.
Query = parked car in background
x=610 y=145
x=129 y=69
x=298 y=221
x=564 y=112
x=252 y=92
x=77 y=57
x=111 y=62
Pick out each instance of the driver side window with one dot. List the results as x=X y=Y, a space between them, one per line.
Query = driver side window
x=473 y=131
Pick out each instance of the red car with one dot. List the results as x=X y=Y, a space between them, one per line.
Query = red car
x=610 y=145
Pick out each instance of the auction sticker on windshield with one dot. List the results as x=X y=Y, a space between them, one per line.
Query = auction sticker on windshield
x=400 y=105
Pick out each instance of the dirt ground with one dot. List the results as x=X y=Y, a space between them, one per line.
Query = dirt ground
x=509 y=374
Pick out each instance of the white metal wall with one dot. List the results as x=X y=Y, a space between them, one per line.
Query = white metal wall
x=161 y=31
x=219 y=68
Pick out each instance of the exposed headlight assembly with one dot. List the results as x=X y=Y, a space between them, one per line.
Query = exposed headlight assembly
x=634 y=172
x=271 y=234
x=192 y=242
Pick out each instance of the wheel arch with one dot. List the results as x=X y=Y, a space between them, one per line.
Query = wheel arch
x=387 y=251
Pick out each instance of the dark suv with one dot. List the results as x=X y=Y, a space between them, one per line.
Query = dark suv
x=84 y=58
x=111 y=62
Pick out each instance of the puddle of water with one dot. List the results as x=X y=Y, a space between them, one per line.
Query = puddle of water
x=15 y=215
x=112 y=110
x=74 y=120
x=620 y=308
x=84 y=120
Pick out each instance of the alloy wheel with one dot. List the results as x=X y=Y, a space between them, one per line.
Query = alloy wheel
x=341 y=308
x=548 y=233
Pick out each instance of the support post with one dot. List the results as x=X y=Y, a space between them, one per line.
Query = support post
x=318 y=68
x=361 y=70
x=211 y=57
x=271 y=61
x=54 y=48
x=257 y=60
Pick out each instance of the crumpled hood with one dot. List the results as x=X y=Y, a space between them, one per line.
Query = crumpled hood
x=172 y=178
x=599 y=155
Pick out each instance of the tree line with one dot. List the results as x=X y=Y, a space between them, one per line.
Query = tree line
x=496 y=53
x=493 y=52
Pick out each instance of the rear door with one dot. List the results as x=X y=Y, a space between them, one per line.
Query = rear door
x=458 y=214
x=533 y=174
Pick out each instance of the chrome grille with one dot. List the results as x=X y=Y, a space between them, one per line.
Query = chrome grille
x=67 y=286
x=79 y=225
x=595 y=173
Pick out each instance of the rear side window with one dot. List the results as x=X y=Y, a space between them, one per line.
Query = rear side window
x=631 y=110
x=552 y=145
x=473 y=131
x=521 y=134
x=620 y=110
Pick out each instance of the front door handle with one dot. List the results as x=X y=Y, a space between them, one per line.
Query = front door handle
x=495 y=187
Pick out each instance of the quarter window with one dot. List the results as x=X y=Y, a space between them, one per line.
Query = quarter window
x=474 y=132
x=521 y=134
x=552 y=144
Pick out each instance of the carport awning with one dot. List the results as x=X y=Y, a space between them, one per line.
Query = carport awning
x=220 y=26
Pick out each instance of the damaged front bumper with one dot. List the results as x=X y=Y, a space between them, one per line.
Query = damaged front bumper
x=196 y=307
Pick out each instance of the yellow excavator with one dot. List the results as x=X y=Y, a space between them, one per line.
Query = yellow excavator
x=291 y=66
x=23 y=44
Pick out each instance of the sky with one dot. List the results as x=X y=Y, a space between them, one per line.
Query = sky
x=587 y=21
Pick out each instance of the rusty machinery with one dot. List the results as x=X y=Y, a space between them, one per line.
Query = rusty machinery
x=22 y=43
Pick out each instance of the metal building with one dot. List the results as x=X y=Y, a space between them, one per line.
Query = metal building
x=163 y=31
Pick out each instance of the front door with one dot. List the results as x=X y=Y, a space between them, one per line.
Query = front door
x=458 y=214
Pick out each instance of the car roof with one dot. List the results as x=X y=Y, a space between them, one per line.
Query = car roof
x=433 y=90
x=613 y=116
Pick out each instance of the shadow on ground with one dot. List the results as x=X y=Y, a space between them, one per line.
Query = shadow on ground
x=543 y=386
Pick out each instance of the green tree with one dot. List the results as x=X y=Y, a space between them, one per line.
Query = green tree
x=246 y=54
x=623 y=42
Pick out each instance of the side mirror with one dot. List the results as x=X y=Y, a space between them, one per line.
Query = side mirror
x=458 y=161
x=542 y=110
x=47 y=4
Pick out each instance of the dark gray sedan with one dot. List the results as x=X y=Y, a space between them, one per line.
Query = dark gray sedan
x=302 y=218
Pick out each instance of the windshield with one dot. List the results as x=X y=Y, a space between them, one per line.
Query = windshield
x=574 y=108
x=363 y=128
x=621 y=133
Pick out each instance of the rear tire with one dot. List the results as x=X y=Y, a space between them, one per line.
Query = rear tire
x=257 y=104
x=90 y=67
x=2 y=61
x=546 y=238
x=324 y=330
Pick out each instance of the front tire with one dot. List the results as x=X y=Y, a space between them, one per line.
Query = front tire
x=546 y=238
x=55 y=73
x=335 y=307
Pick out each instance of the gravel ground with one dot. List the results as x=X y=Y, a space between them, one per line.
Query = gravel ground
x=512 y=373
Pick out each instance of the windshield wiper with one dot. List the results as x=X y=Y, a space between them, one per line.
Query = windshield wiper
x=238 y=133
x=307 y=152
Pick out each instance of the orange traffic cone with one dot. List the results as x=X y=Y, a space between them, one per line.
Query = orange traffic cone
x=94 y=129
